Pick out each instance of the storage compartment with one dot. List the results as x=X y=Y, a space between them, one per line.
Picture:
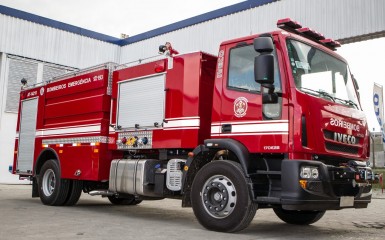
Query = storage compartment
x=141 y=102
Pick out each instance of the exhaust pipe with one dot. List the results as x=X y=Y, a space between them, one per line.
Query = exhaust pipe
x=104 y=193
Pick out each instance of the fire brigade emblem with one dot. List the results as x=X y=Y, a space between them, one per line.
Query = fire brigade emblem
x=240 y=107
x=41 y=91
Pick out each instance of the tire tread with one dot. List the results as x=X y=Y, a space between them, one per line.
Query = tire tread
x=75 y=191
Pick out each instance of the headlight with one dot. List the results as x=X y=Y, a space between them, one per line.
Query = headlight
x=308 y=172
x=314 y=173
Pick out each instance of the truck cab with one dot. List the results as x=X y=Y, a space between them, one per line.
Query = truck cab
x=290 y=100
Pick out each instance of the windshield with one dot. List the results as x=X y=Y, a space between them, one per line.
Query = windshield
x=320 y=74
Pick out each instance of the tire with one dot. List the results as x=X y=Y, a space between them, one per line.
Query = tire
x=75 y=190
x=53 y=190
x=130 y=200
x=299 y=217
x=220 y=197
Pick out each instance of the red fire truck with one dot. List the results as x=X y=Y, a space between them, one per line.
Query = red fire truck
x=274 y=121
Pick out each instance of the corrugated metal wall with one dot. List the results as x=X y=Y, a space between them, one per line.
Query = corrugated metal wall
x=18 y=69
x=31 y=40
x=338 y=19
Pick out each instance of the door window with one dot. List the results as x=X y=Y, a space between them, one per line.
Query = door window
x=241 y=69
x=241 y=78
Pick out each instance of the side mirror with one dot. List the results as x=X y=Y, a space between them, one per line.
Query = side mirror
x=264 y=69
x=263 y=45
x=264 y=63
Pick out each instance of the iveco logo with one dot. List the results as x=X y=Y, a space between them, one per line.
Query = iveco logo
x=344 y=138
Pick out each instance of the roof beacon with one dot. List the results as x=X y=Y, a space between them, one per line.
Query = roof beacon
x=295 y=27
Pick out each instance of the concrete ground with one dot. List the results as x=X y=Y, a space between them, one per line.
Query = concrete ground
x=23 y=217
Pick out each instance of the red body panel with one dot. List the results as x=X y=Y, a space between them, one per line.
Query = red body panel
x=73 y=120
x=188 y=98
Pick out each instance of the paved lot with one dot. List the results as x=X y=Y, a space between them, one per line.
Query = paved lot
x=23 y=217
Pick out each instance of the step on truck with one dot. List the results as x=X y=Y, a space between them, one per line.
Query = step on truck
x=274 y=121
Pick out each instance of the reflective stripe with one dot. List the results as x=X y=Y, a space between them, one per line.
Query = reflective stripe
x=250 y=128
x=182 y=123
x=69 y=130
x=249 y=134
x=267 y=128
x=215 y=129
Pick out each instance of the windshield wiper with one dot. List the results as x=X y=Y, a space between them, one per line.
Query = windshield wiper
x=348 y=102
x=326 y=94
x=319 y=92
x=351 y=103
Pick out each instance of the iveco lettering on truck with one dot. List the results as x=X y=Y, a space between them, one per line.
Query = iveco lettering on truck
x=274 y=121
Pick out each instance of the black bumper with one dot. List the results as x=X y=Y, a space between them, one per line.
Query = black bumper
x=335 y=188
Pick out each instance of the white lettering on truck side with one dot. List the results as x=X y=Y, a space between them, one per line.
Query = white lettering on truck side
x=271 y=147
x=75 y=83
x=57 y=87
x=343 y=124
x=32 y=94
x=79 y=82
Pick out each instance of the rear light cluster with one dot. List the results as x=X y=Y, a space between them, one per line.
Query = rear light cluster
x=294 y=27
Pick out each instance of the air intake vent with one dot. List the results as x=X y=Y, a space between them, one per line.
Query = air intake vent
x=174 y=174
x=341 y=148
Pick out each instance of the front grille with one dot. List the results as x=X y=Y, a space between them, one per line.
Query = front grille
x=341 y=148
x=330 y=135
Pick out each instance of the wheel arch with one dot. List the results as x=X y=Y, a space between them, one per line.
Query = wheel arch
x=241 y=153
x=44 y=156
x=210 y=151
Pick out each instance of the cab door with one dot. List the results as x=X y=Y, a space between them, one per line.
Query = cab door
x=261 y=127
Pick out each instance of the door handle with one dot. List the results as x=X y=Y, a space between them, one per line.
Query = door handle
x=226 y=128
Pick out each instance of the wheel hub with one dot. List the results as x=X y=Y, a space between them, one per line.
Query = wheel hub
x=49 y=182
x=219 y=196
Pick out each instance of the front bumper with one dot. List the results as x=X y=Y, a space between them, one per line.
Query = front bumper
x=335 y=188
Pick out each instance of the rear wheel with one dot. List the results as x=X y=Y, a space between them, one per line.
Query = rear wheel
x=127 y=200
x=299 y=217
x=52 y=189
x=75 y=190
x=220 y=197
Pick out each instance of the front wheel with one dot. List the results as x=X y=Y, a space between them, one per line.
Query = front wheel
x=53 y=190
x=299 y=217
x=220 y=197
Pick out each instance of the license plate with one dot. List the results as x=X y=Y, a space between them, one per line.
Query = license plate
x=347 y=201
